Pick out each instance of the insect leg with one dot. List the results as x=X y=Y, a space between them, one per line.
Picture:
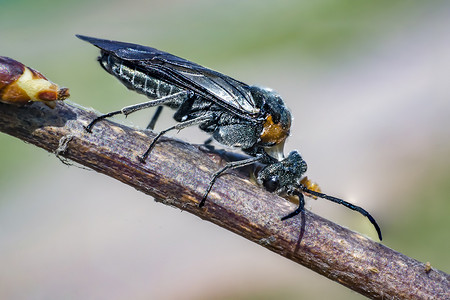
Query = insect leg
x=155 y=117
x=208 y=141
x=133 y=108
x=177 y=126
x=230 y=165
x=301 y=207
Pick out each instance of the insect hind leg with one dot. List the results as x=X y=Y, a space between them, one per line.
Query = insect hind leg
x=155 y=118
x=101 y=117
x=176 y=97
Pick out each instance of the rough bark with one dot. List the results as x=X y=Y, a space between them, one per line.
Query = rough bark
x=178 y=173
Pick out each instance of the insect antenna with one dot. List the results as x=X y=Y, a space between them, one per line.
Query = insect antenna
x=346 y=204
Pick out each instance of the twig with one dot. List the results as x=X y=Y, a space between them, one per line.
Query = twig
x=177 y=174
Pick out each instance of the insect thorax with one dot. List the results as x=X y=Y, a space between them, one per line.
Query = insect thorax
x=136 y=80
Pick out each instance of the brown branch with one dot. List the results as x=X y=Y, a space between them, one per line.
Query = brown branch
x=177 y=174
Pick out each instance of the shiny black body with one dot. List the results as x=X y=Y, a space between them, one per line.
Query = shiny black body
x=231 y=111
x=248 y=117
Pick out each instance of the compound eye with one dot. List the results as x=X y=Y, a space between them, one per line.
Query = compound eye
x=272 y=183
x=276 y=117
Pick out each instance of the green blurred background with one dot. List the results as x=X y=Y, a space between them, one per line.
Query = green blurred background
x=368 y=85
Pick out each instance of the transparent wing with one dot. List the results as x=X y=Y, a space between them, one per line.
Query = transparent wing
x=212 y=85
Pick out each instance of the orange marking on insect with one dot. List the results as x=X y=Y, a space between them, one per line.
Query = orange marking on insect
x=20 y=85
x=308 y=184
x=273 y=133
x=311 y=186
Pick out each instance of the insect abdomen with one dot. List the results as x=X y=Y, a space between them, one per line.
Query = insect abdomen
x=136 y=80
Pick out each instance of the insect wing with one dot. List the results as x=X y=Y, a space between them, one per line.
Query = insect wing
x=212 y=85
x=208 y=82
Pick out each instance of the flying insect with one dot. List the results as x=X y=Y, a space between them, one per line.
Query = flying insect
x=235 y=114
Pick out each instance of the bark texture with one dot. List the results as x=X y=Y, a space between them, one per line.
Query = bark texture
x=177 y=174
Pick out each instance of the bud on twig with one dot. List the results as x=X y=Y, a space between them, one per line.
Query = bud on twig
x=21 y=85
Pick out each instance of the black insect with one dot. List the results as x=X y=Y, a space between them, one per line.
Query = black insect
x=251 y=118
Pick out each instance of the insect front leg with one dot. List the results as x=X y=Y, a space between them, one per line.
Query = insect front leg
x=230 y=165
x=301 y=207
x=136 y=107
